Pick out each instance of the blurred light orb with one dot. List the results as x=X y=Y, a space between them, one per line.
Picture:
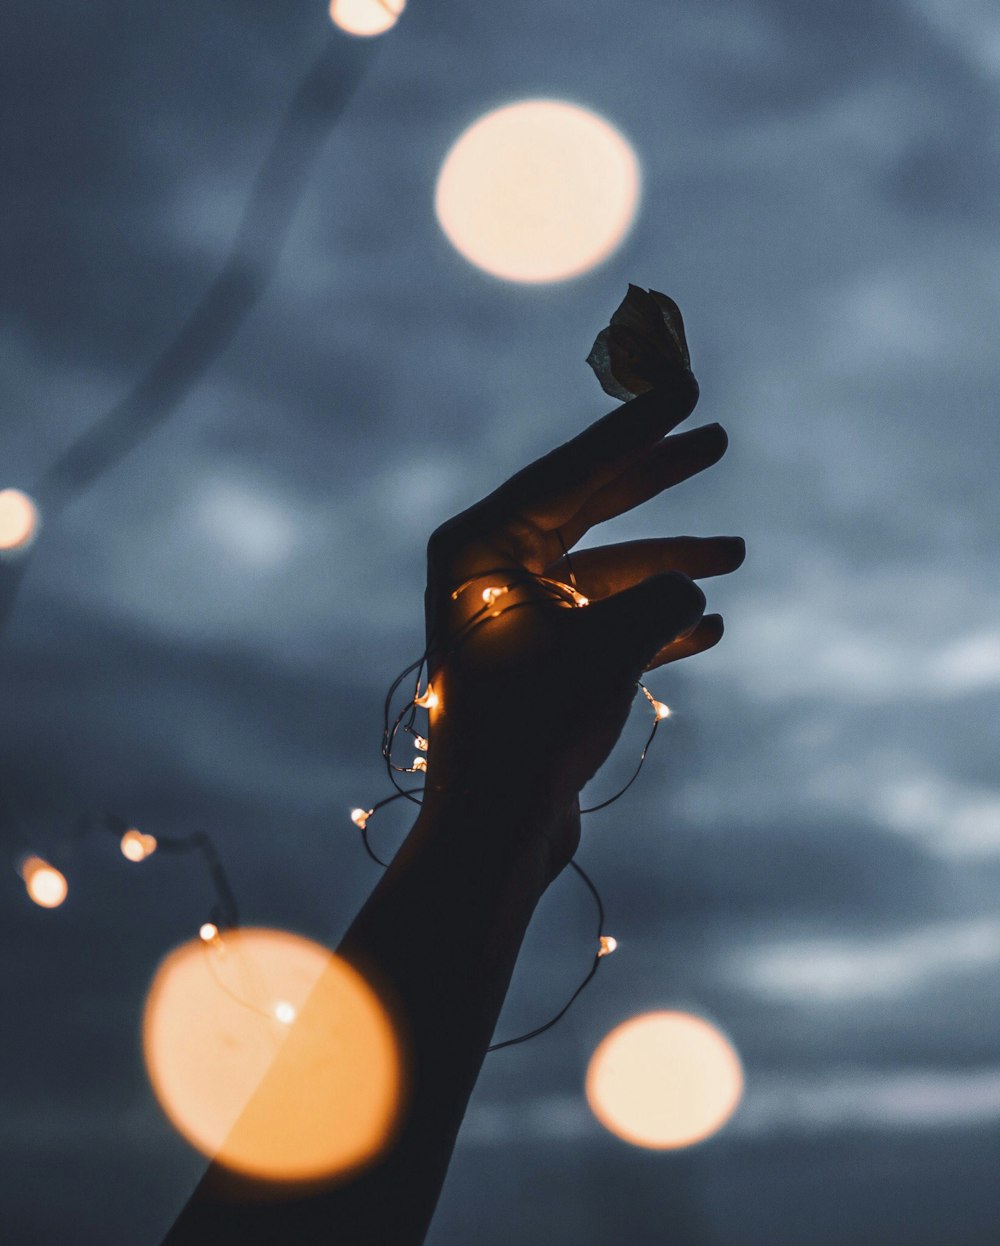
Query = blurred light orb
x=366 y=17
x=45 y=884
x=541 y=190
x=301 y=1103
x=664 y=1080
x=18 y=520
x=136 y=846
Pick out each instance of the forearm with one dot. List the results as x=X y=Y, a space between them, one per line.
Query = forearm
x=438 y=938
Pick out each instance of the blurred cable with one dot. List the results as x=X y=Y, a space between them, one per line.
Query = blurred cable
x=318 y=102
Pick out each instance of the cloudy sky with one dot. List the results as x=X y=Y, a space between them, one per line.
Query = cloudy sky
x=202 y=635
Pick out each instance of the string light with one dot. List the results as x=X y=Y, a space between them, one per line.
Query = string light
x=558 y=593
x=428 y=699
x=136 y=846
x=209 y=932
x=45 y=884
x=18 y=521
x=284 y=1012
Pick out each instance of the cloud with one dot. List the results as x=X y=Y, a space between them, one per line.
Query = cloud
x=845 y=969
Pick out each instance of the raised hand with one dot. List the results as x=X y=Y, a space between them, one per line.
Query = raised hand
x=533 y=688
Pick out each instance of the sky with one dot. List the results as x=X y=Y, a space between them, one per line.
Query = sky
x=202 y=636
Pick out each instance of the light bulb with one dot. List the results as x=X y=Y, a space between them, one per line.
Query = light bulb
x=608 y=945
x=209 y=932
x=137 y=847
x=662 y=711
x=284 y=1011
x=360 y=816
x=44 y=883
x=579 y=597
x=491 y=594
x=419 y=763
x=420 y=743
x=428 y=699
x=18 y=521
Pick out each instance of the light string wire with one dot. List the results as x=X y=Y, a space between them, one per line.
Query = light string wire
x=316 y=105
x=565 y=595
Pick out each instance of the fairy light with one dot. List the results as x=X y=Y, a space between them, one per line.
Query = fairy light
x=209 y=932
x=284 y=1012
x=659 y=709
x=428 y=699
x=555 y=593
x=18 y=521
x=45 y=884
x=136 y=846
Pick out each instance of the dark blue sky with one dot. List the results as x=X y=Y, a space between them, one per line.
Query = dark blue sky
x=202 y=638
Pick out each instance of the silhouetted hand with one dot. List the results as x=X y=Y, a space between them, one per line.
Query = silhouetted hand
x=532 y=701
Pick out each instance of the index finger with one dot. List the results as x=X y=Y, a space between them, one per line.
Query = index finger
x=553 y=488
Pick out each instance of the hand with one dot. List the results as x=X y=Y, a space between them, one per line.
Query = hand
x=531 y=701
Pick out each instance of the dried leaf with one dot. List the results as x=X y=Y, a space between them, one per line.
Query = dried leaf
x=643 y=347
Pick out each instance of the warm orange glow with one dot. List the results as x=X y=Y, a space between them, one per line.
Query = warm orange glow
x=360 y=817
x=491 y=594
x=45 y=884
x=537 y=191
x=209 y=932
x=366 y=17
x=664 y=1080
x=136 y=846
x=272 y=1055
x=419 y=763
x=608 y=944
x=18 y=520
x=420 y=743
x=428 y=699
x=662 y=711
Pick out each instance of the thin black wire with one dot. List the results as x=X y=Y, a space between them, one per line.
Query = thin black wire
x=389 y=734
x=225 y=912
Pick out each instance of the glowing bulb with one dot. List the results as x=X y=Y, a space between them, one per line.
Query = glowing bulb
x=608 y=945
x=419 y=763
x=209 y=932
x=579 y=598
x=137 y=847
x=539 y=190
x=18 y=521
x=287 y=1103
x=428 y=699
x=360 y=817
x=664 y=1080
x=366 y=17
x=659 y=709
x=420 y=743
x=45 y=884
x=491 y=594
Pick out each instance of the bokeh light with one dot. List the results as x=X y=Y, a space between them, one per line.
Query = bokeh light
x=366 y=17
x=538 y=191
x=136 y=846
x=45 y=884
x=18 y=520
x=664 y=1080
x=272 y=1055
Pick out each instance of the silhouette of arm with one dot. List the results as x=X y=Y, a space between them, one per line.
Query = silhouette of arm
x=530 y=705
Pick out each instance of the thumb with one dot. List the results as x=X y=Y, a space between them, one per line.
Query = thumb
x=640 y=620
